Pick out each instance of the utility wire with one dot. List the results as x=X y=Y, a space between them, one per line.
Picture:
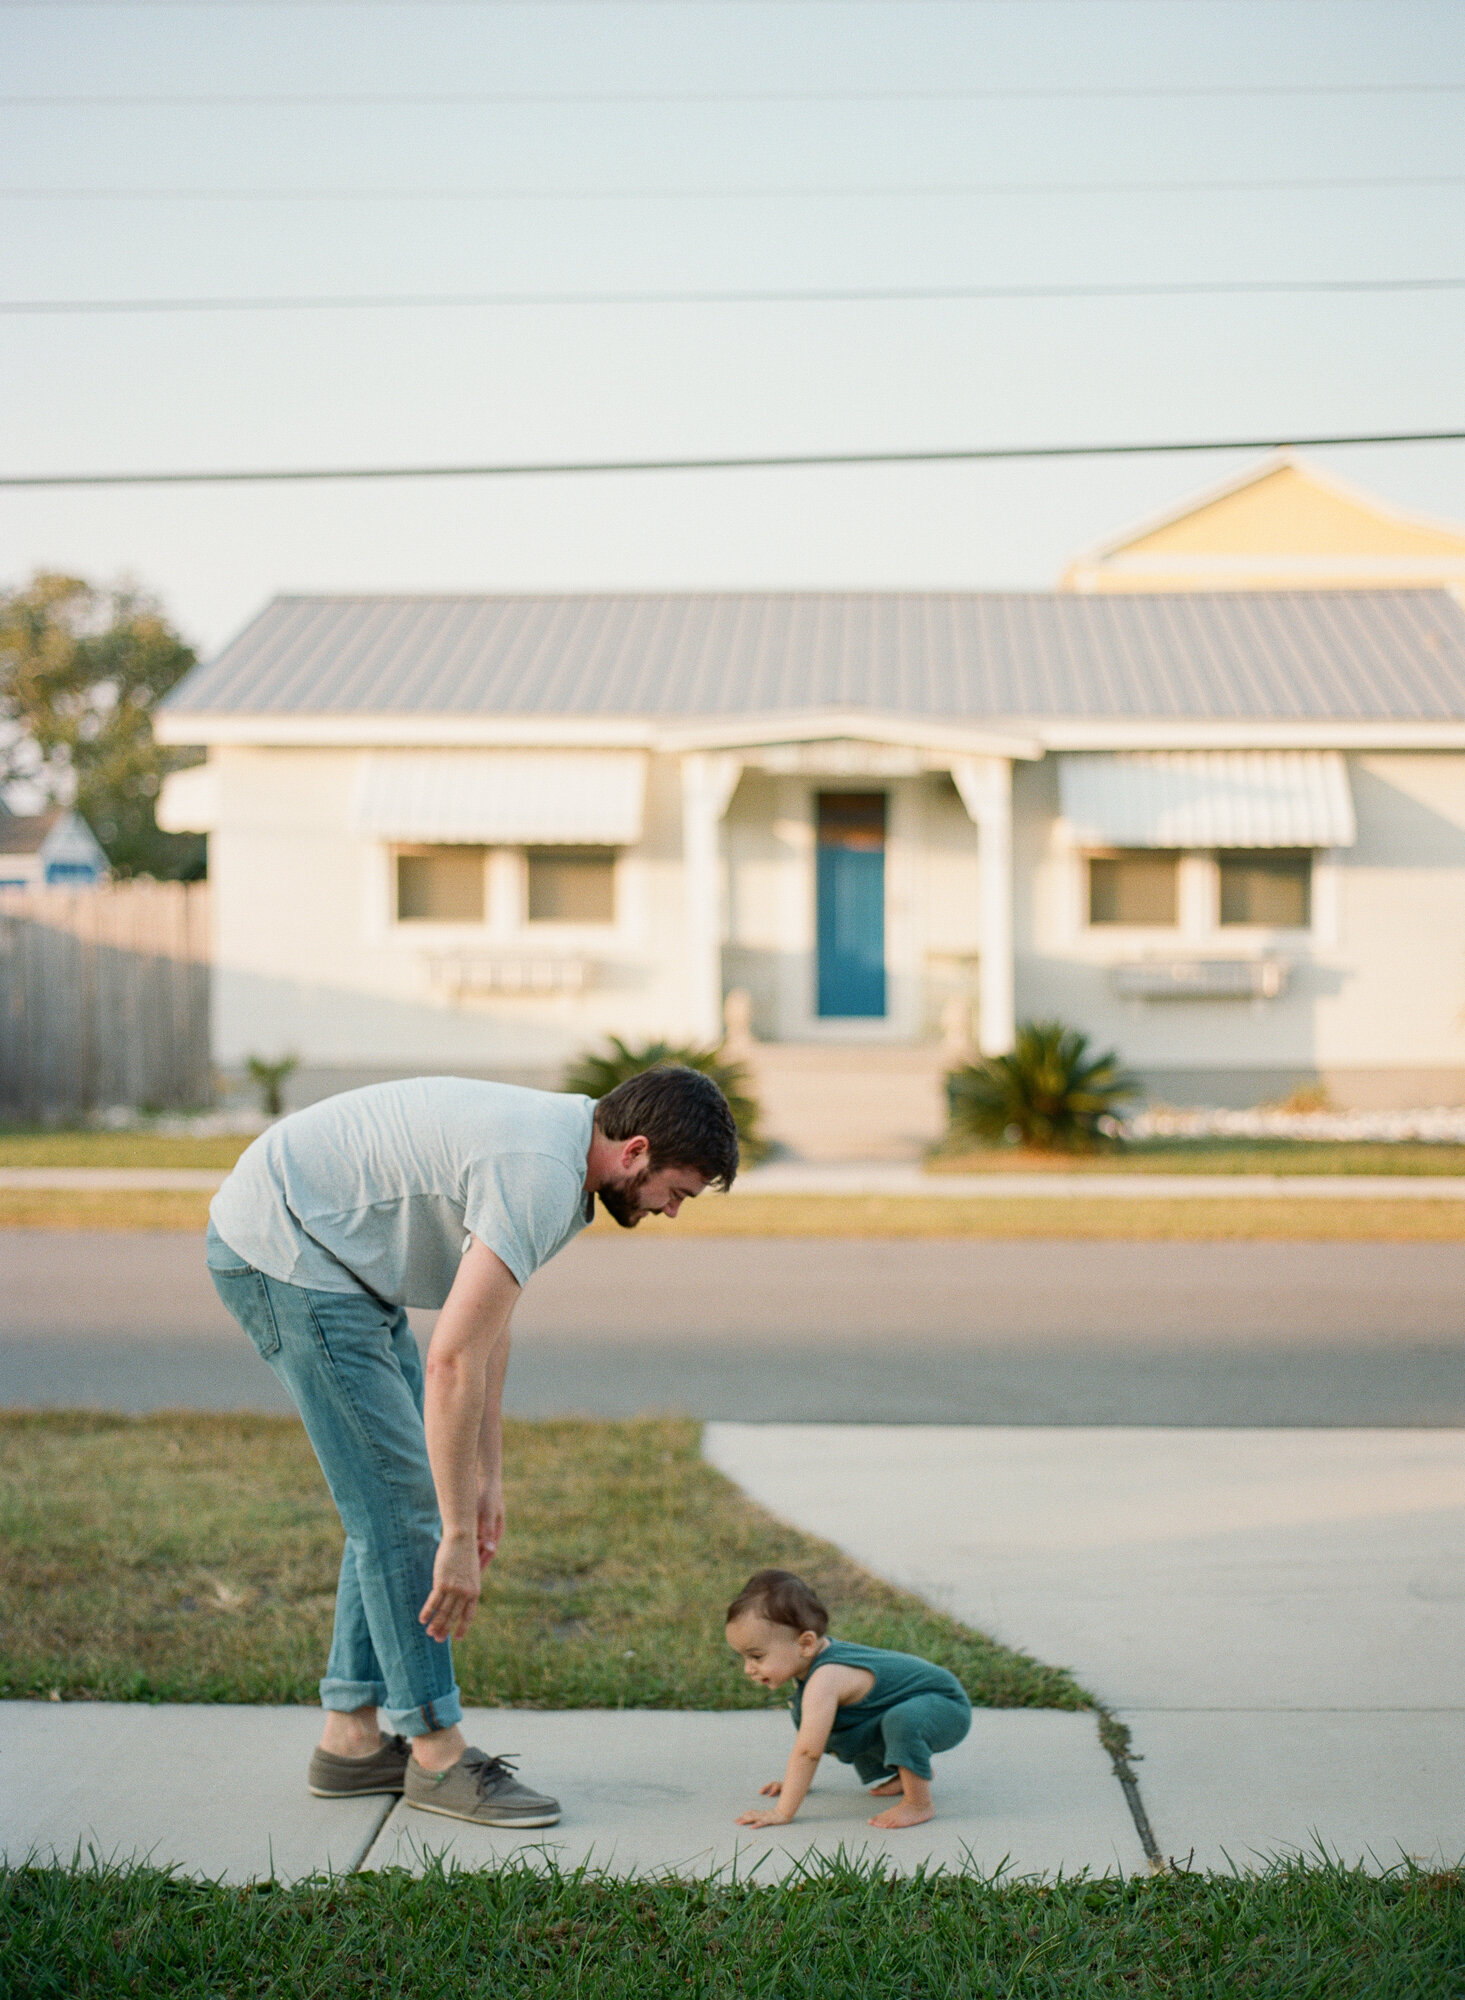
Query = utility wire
x=765 y=463
x=885 y=295
x=914 y=190
x=301 y=6
x=997 y=94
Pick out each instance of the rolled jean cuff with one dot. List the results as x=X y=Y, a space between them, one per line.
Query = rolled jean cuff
x=347 y=1696
x=444 y=1711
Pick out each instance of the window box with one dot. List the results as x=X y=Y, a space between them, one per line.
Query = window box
x=1201 y=978
x=460 y=973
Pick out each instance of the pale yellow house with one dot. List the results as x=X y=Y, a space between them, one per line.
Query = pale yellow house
x=1280 y=526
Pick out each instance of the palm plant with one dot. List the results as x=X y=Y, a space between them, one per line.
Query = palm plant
x=1050 y=1092
x=270 y=1076
x=594 y=1075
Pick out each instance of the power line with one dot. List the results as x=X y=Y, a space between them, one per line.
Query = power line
x=884 y=295
x=768 y=462
x=909 y=191
x=915 y=190
x=282 y=6
x=995 y=94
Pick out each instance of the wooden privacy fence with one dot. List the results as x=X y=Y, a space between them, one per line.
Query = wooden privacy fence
x=104 y=999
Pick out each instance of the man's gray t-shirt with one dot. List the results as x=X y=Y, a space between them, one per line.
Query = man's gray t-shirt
x=380 y=1188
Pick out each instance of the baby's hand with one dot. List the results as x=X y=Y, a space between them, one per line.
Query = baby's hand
x=761 y=1818
x=771 y=1791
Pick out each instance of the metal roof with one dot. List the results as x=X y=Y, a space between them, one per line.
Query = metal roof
x=1324 y=655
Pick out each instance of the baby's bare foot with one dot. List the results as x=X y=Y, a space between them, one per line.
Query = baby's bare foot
x=891 y=1789
x=904 y=1815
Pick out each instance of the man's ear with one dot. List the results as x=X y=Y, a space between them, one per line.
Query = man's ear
x=635 y=1151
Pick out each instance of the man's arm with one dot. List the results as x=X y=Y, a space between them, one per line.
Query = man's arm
x=491 y=1454
x=462 y=1363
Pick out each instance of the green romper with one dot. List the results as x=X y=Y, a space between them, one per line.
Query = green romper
x=912 y=1710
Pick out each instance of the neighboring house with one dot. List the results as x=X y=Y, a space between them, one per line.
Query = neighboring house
x=54 y=850
x=1224 y=832
x=1280 y=526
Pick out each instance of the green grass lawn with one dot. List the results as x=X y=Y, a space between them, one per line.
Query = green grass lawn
x=1214 y=1156
x=840 y=1933
x=1165 y=1156
x=193 y=1558
x=117 y=1149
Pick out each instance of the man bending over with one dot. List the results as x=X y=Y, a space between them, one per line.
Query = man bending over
x=435 y=1192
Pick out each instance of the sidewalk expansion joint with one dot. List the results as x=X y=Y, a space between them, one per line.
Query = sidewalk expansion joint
x=1118 y=1743
x=359 y=1859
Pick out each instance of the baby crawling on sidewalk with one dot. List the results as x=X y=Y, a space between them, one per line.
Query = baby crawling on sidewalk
x=885 y=1713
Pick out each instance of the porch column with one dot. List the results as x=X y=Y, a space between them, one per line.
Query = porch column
x=985 y=785
x=709 y=779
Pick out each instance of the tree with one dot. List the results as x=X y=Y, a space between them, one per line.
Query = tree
x=81 y=670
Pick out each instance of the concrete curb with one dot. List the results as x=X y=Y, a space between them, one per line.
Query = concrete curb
x=161 y=1180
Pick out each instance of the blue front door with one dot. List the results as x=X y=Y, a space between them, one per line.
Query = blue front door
x=850 y=890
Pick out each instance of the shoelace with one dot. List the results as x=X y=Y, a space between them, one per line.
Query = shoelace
x=493 y=1771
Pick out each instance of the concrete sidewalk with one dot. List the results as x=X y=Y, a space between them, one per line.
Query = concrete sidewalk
x=220 y=1792
x=1278 y=1615
x=160 y=1180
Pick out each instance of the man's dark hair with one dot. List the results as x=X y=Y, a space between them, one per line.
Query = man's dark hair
x=681 y=1114
x=783 y=1599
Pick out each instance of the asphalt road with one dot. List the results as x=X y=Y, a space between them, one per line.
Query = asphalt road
x=790 y=1330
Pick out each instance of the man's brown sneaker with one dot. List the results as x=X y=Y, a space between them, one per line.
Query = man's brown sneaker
x=333 y=1777
x=479 y=1788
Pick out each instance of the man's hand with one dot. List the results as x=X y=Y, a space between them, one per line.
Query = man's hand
x=762 y=1819
x=490 y=1517
x=456 y=1584
x=771 y=1790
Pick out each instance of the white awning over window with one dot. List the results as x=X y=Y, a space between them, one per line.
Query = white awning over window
x=1208 y=798
x=503 y=798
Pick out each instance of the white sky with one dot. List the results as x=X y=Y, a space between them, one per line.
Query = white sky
x=94 y=392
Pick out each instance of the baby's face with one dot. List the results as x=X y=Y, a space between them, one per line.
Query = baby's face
x=772 y=1654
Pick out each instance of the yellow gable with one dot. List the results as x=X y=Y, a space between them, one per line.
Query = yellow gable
x=1278 y=528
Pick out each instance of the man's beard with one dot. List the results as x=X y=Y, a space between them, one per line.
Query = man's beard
x=620 y=1202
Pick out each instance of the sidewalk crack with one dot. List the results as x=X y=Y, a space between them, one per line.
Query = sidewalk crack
x=1118 y=1742
x=358 y=1859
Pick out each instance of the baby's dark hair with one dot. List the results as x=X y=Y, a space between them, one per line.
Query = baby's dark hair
x=783 y=1599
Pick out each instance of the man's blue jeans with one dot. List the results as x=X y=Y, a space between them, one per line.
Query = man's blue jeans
x=352 y=1367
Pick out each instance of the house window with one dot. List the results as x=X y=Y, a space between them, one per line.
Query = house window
x=1271 y=887
x=571 y=885
x=1138 y=887
x=440 y=885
